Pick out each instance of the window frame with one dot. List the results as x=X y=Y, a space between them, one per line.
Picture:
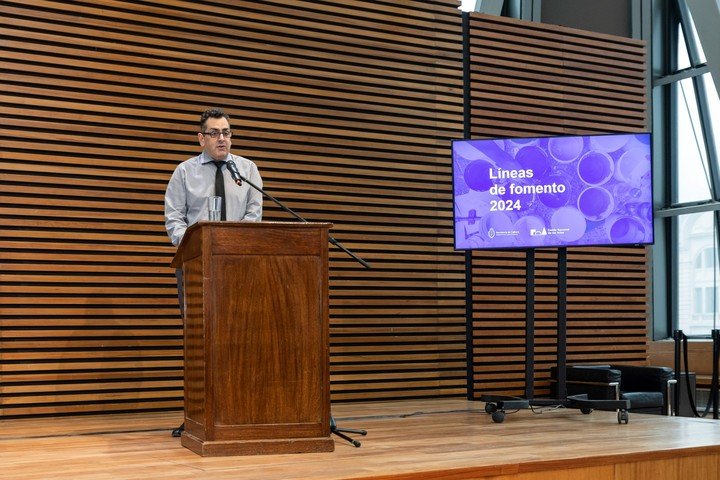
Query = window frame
x=667 y=17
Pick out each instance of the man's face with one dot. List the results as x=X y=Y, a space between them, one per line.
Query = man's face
x=219 y=147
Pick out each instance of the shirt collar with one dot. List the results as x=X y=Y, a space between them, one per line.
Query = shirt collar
x=204 y=158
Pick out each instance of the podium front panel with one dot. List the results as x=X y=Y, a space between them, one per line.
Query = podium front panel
x=269 y=344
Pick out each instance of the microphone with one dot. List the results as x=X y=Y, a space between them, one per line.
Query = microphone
x=234 y=172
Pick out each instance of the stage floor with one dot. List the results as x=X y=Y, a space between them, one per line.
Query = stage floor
x=438 y=439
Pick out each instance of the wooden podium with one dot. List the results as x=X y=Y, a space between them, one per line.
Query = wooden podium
x=256 y=338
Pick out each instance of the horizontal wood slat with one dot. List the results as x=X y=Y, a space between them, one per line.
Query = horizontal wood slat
x=347 y=107
x=536 y=79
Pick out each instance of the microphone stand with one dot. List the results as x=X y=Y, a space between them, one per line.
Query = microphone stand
x=239 y=178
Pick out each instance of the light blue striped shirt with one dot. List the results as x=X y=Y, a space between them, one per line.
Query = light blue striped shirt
x=193 y=181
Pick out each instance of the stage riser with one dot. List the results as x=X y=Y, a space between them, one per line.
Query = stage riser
x=406 y=440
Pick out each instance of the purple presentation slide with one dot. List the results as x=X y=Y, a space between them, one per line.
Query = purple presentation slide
x=553 y=191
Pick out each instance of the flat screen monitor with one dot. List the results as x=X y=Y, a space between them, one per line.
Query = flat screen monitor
x=561 y=191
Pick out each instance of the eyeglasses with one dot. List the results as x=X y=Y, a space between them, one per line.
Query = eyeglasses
x=227 y=133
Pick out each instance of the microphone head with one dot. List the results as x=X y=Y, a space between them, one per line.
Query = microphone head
x=234 y=172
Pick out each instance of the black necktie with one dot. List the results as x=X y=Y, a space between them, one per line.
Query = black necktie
x=220 y=188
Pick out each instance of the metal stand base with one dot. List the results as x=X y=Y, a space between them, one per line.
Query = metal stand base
x=340 y=432
x=497 y=405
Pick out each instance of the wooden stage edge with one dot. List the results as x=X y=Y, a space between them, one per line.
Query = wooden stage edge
x=411 y=439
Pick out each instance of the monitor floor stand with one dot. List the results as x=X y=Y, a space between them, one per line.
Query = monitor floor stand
x=498 y=405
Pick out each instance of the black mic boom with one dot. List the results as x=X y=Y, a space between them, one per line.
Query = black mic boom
x=239 y=179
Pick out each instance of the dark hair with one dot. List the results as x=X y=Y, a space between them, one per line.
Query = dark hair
x=212 y=113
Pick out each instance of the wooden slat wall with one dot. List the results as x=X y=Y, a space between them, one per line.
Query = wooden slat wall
x=347 y=107
x=536 y=79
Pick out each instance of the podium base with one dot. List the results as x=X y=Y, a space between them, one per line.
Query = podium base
x=256 y=447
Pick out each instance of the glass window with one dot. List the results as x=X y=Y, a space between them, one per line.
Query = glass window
x=711 y=93
x=698 y=301
x=709 y=304
x=705 y=258
x=697 y=273
x=691 y=172
x=683 y=59
x=692 y=33
x=693 y=135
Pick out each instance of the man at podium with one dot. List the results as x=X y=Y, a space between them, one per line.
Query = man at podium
x=207 y=175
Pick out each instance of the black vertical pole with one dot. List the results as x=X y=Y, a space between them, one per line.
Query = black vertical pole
x=530 y=324
x=562 y=323
x=714 y=382
x=467 y=131
x=677 y=337
x=469 y=336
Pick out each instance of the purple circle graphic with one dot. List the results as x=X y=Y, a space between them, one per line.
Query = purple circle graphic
x=522 y=141
x=565 y=149
x=495 y=222
x=633 y=166
x=555 y=199
x=624 y=230
x=535 y=159
x=595 y=203
x=645 y=212
x=640 y=210
x=477 y=175
x=519 y=190
x=609 y=143
x=595 y=168
x=568 y=223
x=643 y=139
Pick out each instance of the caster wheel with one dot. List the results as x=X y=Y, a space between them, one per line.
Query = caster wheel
x=498 y=416
x=586 y=411
x=490 y=408
x=623 y=417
